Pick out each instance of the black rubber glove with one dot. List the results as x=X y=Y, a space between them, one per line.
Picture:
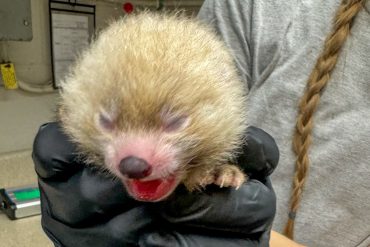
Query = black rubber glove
x=260 y=154
x=83 y=207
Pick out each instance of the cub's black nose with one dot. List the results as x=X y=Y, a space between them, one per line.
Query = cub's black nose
x=134 y=167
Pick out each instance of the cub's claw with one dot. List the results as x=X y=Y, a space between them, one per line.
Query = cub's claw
x=224 y=176
x=229 y=176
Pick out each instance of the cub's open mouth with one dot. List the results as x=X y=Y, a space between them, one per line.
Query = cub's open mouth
x=151 y=190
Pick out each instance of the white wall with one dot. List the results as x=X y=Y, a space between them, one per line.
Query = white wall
x=32 y=59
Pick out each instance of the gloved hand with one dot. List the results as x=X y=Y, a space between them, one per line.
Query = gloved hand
x=83 y=207
x=260 y=154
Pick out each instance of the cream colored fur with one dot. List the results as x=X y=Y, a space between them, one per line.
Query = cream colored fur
x=145 y=62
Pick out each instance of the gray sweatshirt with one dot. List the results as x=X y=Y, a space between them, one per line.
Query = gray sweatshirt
x=275 y=45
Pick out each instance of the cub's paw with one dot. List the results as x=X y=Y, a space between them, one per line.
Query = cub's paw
x=225 y=176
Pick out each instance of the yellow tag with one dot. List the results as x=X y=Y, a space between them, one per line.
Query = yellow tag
x=8 y=72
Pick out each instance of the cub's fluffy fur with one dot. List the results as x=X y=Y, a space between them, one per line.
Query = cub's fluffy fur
x=141 y=72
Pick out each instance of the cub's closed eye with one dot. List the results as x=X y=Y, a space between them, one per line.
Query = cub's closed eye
x=172 y=120
x=105 y=122
x=175 y=123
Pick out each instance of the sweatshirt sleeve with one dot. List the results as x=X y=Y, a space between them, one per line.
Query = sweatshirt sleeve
x=232 y=21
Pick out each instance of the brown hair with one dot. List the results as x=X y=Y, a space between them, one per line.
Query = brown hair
x=317 y=81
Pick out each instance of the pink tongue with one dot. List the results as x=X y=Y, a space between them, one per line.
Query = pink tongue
x=152 y=190
x=147 y=187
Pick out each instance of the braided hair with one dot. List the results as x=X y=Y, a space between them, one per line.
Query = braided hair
x=316 y=83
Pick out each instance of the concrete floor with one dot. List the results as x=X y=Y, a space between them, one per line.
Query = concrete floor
x=26 y=232
x=21 y=114
x=16 y=169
